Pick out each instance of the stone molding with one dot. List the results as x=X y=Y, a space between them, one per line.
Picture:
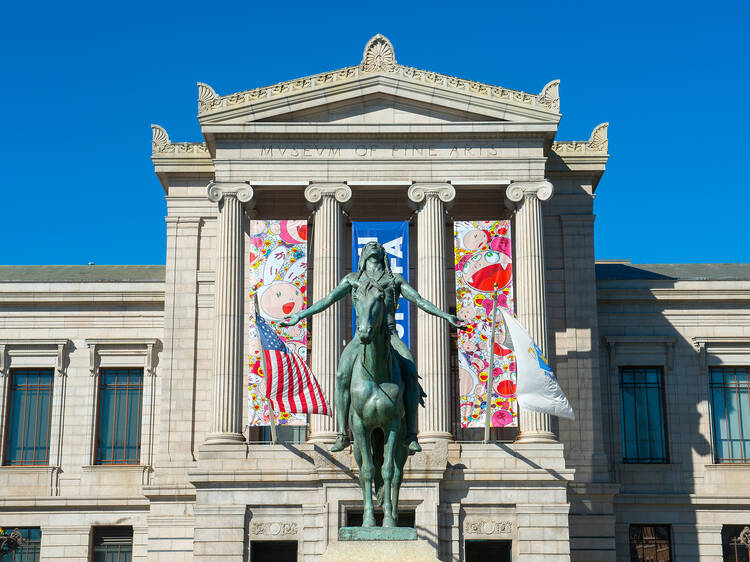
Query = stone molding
x=121 y=347
x=36 y=347
x=520 y=190
x=418 y=192
x=598 y=143
x=160 y=144
x=216 y=191
x=315 y=192
x=379 y=58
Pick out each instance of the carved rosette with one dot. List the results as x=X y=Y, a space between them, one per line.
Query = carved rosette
x=418 y=192
x=217 y=191
x=519 y=190
x=315 y=192
x=379 y=55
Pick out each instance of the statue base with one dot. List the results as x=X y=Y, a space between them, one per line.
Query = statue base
x=378 y=544
x=377 y=534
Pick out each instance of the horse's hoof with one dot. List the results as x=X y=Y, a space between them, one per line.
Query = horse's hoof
x=369 y=521
x=414 y=446
x=342 y=442
x=389 y=522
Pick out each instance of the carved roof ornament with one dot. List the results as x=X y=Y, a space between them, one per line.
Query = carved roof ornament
x=379 y=55
x=207 y=97
x=550 y=95
x=160 y=144
x=597 y=143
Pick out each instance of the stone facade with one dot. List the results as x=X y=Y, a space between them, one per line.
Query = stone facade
x=374 y=141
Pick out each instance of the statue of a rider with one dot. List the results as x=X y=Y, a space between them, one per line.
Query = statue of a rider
x=374 y=268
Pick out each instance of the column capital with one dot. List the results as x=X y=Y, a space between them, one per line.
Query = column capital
x=315 y=192
x=418 y=192
x=216 y=191
x=517 y=191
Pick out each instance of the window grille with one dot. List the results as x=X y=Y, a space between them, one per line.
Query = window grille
x=730 y=403
x=112 y=544
x=119 y=416
x=650 y=543
x=30 y=407
x=735 y=543
x=29 y=550
x=644 y=438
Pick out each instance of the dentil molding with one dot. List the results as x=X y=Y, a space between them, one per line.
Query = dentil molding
x=216 y=191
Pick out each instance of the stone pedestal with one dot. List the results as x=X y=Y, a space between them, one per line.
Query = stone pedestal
x=432 y=345
x=380 y=551
x=327 y=326
x=531 y=296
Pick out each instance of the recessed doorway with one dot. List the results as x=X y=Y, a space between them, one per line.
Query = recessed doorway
x=273 y=551
x=481 y=551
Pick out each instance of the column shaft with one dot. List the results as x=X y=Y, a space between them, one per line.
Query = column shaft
x=228 y=344
x=327 y=329
x=432 y=332
x=531 y=295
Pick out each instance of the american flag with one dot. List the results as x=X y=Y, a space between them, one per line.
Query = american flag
x=290 y=385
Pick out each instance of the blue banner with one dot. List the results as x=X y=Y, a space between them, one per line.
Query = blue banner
x=394 y=236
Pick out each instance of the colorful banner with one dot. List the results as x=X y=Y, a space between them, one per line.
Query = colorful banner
x=483 y=256
x=394 y=236
x=278 y=266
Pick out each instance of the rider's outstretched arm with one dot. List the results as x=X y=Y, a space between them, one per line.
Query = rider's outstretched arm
x=338 y=293
x=412 y=295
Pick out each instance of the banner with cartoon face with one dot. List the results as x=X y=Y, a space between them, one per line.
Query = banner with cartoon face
x=483 y=257
x=278 y=266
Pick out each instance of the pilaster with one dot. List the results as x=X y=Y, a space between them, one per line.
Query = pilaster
x=327 y=325
x=531 y=294
x=228 y=345
x=432 y=345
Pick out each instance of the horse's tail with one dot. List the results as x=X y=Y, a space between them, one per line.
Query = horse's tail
x=378 y=446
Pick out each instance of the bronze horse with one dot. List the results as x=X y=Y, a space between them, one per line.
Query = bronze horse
x=377 y=408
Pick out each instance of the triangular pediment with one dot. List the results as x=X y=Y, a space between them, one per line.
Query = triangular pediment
x=377 y=91
x=379 y=109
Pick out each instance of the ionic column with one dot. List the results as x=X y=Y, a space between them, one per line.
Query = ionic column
x=228 y=344
x=432 y=333
x=327 y=327
x=531 y=294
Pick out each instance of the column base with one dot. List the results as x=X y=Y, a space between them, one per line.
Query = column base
x=224 y=439
x=322 y=437
x=536 y=437
x=433 y=436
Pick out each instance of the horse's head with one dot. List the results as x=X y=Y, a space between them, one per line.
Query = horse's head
x=369 y=302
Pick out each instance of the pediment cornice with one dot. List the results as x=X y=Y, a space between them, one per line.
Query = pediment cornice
x=379 y=72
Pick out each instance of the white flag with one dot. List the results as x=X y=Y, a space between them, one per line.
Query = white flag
x=536 y=384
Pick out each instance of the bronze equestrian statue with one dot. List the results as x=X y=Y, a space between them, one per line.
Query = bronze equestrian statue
x=375 y=387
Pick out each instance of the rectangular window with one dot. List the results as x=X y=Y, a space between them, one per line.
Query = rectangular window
x=113 y=544
x=734 y=548
x=730 y=404
x=644 y=438
x=29 y=550
x=119 y=419
x=650 y=543
x=29 y=413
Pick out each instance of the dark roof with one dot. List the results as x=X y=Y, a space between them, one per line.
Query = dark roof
x=81 y=273
x=673 y=271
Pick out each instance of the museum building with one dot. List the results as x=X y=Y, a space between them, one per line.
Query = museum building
x=127 y=420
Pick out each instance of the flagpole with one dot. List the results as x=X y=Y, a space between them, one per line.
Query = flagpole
x=491 y=374
x=274 y=435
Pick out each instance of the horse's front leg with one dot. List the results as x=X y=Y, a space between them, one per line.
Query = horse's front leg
x=366 y=469
x=390 y=514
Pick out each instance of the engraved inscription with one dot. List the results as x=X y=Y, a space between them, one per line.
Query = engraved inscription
x=488 y=527
x=376 y=151
x=273 y=529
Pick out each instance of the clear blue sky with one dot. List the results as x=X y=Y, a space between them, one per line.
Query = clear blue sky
x=82 y=83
